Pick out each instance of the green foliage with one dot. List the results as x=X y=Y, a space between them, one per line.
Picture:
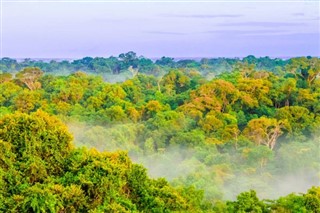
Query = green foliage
x=309 y=202
x=41 y=172
x=220 y=125
x=247 y=202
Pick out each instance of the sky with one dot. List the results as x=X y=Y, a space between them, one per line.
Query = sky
x=155 y=28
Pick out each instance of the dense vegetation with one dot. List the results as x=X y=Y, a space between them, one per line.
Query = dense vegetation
x=213 y=128
x=41 y=172
x=120 y=65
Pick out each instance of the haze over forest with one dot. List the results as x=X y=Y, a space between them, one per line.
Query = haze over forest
x=160 y=106
x=220 y=126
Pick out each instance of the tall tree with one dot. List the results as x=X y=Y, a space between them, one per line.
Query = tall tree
x=265 y=131
x=29 y=76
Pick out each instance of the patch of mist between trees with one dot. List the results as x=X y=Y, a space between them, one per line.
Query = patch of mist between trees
x=277 y=186
x=176 y=164
x=115 y=78
x=59 y=72
x=107 y=77
x=295 y=169
x=126 y=75
x=179 y=166
x=169 y=163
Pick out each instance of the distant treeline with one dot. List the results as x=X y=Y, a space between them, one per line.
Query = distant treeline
x=117 y=65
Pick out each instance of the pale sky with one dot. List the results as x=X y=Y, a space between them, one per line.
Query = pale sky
x=47 y=29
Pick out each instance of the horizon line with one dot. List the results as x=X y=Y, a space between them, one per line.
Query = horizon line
x=159 y=57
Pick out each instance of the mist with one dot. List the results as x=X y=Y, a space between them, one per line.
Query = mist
x=222 y=176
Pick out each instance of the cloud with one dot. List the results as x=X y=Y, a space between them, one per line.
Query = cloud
x=245 y=32
x=263 y=24
x=200 y=16
x=312 y=36
x=298 y=14
x=164 y=33
x=106 y=20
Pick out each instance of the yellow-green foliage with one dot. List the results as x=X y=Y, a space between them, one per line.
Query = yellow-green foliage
x=255 y=127
x=40 y=171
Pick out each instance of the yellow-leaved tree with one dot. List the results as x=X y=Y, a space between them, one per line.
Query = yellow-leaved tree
x=265 y=131
x=29 y=76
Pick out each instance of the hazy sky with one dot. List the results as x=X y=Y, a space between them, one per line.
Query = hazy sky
x=48 y=29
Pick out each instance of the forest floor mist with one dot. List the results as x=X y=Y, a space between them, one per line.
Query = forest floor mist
x=220 y=181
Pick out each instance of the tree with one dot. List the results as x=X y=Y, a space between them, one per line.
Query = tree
x=258 y=156
x=175 y=82
x=165 y=61
x=309 y=202
x=226 y=93
x=29 y=76
x=305 y=68
x=37 y=135
x=299 y=118
x=8 y=64
x=116 y=113
x=247 y=202
x=5 y=77
x=245 y=69
x=283 y=91
x=288 y=88
x=265 y=131
x=129 y=59
x=254 y=92
x=206 y=99
x=8 y=91
x=27 y=101
x=83 y=63
x=134 y=71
